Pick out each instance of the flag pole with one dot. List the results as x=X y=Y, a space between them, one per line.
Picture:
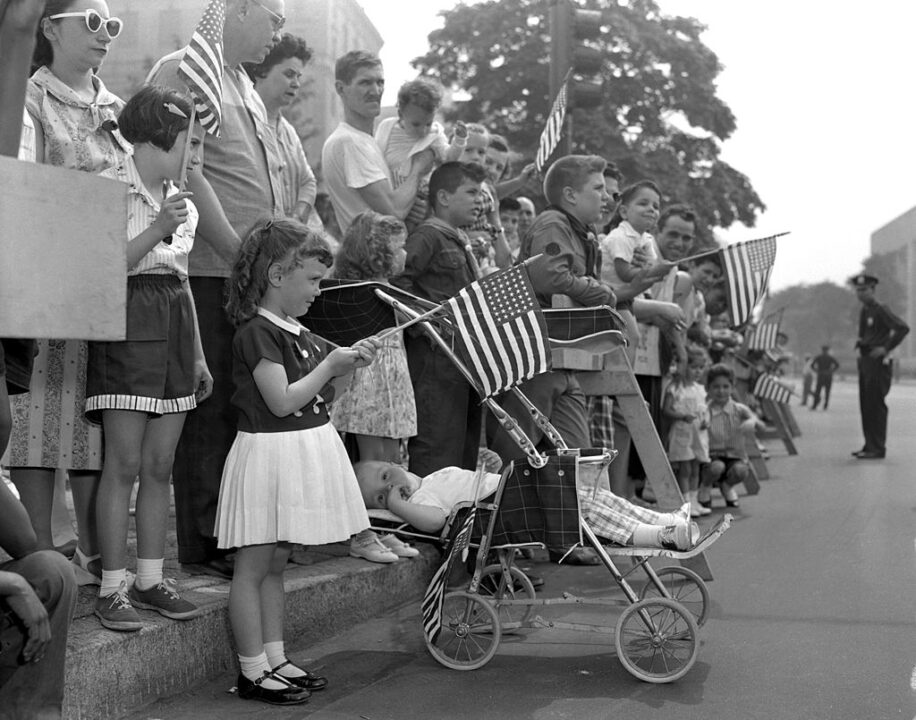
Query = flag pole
x=397 y=305
x=187 y=146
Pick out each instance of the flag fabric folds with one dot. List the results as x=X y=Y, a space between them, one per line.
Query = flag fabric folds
x=201 y=67
x=764 y=336
x=768 y=387
x=553 y=129
x=431 y=607
x=498 y=321
x=746 y=268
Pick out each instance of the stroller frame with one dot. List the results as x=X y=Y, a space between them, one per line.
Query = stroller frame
x=656 y=636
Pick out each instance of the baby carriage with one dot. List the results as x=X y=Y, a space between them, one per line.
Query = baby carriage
x=537 y=503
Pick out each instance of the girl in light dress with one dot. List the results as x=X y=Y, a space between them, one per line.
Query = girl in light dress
x=378 y=407
x=287 y=478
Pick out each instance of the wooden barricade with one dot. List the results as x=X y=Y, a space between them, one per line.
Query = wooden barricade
x=63 y=244
x=611 y=374
x=777 y=418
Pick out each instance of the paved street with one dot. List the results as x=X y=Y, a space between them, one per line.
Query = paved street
x=812 y=615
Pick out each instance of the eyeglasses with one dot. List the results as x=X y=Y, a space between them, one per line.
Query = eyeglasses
x=94 y=21
x=278 y=20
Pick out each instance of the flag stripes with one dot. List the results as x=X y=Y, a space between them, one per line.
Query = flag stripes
x=763 y=337
x=768 y=387
x=553 y=129
x=746 y=267
x=500 y=325
x=201 y=67
x=431 y=607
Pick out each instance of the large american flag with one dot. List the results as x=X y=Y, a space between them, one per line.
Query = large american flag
x=768 y=387
x=202 y=66
x=746 y=269
x=499 y=322
x=553 y=130
x=431 y=607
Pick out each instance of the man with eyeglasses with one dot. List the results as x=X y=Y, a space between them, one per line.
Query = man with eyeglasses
x=239 y=183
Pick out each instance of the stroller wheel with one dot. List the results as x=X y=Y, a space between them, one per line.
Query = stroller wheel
x=656 y=640
x=469 y=633
x=493 y=583
x=685 y=586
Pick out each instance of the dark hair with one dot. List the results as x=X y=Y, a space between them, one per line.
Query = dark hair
x=612 y=171
x=146 y=117
x=44 y=53
x=711 y=259
x=348 y=65
x=720 y=370
x=289 y=46
x=365 y=252
x=422 y=92
x=570 y=171
x=449 y=177
x=510 y=204
x=681 y=210
x=628 y=193
x=284 y=241
x=498 y=142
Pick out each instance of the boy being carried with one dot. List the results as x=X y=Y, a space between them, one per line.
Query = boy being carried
x=427 y=502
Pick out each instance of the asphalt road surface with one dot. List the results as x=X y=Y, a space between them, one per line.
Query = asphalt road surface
x=812 y=615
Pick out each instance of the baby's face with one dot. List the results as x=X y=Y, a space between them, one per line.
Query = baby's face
x=416 y=121
x=376 y=479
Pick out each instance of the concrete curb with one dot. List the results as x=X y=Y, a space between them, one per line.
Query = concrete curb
x=110 y=674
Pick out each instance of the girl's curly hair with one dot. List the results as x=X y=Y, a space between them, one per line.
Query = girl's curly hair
x=283 y=241
x=365 y=252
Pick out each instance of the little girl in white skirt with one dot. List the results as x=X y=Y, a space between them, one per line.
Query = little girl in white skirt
x=287 y=478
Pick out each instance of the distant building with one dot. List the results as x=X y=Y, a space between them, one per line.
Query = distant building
x=898 y=237
x=330 y=27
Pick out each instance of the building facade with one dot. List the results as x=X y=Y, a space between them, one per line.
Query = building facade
x=331 y=28
x=898 y=238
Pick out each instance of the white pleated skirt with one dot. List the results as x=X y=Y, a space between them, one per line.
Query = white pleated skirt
x=296 y=487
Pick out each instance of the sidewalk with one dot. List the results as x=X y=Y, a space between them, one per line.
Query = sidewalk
x=111 y=674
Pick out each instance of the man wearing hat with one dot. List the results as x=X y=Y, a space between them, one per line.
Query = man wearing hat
x=880 y=331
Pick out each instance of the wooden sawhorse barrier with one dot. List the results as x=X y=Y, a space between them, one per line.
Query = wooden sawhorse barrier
x=776 y=414
x=611 y=374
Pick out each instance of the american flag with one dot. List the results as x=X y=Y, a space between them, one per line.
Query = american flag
x=553 y=129
x=746 y=268
x=431 y=607
x=763 y=337
x=768 y=387
x=202 y=66
x=500 y=324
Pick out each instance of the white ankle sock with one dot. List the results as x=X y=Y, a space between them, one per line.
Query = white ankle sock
x=111 y=581
x=276 y=655
x=254 y=667
x=149 y=573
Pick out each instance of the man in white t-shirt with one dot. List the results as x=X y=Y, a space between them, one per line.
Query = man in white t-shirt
x=354 y=168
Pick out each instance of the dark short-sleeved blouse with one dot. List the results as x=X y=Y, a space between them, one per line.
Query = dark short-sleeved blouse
x=268 y=337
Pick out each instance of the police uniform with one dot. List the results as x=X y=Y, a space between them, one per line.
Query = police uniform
x=878 y=328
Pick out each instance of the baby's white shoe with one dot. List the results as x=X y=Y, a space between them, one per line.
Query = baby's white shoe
x=398 y=546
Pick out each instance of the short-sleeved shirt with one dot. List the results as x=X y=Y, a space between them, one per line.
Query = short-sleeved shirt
x=351 y=160
x=27 y=138
x=142 y=210
x=400 y=147
x=449 y=486
x=76 y=135
x=621 y=243
x=286 y=342
x=725 y=438
x=242 y=165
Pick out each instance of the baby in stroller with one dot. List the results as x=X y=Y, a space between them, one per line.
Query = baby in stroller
x=426 y=504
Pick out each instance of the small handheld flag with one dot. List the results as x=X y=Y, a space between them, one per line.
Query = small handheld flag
x=553 y=129
x=768 y=387
x=202 y=66
x=746 y=268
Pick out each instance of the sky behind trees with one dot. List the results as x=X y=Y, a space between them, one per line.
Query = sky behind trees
x=821 y=92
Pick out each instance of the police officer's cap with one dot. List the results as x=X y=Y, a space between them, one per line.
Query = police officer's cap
x=863 y=280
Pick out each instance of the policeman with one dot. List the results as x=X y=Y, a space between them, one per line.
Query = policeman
x=880 y=331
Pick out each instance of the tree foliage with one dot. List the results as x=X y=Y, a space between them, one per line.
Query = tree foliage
x=660 y=117
x=816 y=315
